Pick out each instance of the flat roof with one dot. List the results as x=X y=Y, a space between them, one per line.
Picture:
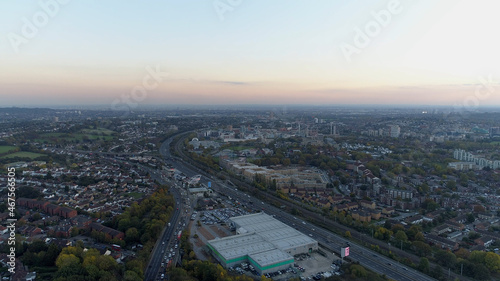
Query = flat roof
x=198 y=189
x=272 y=230
x=272 y=257
x=253 y=219
x=266 y=239
x=232 y=247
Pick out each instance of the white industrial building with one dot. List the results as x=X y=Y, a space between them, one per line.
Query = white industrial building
x=199 y=191
x=266 y=243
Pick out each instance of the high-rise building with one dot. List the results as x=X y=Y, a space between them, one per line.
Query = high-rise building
x=394 y=131
x=333 y=129
x=494 y=132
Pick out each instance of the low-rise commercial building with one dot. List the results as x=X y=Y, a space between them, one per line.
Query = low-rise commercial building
x=266 y=243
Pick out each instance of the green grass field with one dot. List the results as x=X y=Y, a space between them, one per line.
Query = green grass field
x=25 y=154
x=239 y=148
x=136 y=195
x=6 y=148
x=98 y=131
x=54 y=137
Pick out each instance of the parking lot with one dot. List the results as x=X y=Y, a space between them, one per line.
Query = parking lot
x=215 y=223
x=312 y=266
x=317 y=265
x=220 y=216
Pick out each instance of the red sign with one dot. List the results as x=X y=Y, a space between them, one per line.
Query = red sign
x=344 y=252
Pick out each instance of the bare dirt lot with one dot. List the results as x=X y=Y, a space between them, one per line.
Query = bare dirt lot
x=207 y=235
x=217 y=230
x=316 y=263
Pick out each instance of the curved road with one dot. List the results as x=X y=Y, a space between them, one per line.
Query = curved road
x=366 y=257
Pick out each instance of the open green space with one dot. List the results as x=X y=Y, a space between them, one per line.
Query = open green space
x=25 y=154
x=6 y=148
x=78 y=137
x=98 y=131
x=136 y=195
x=239 y=147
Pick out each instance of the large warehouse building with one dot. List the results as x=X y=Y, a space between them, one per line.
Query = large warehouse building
x=266 y=243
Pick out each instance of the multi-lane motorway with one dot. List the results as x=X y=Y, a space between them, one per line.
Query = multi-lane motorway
x=327 y=239
x=168 y=237
x=366 y=257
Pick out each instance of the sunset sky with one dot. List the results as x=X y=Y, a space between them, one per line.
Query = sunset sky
x=249 y=52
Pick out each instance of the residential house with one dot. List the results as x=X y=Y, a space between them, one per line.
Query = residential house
x=112 y=233
x=387 y=211
x=367 y=204
x=442 y=242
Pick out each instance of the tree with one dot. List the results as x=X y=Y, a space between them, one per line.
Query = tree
x=419 y=237
x=295 y=212
x=412 y=232
x=421 y=248
x=492 y=261
x=74 y=231
x=74 y=272
x=51 y=255
x=401 y=237
x=451 y=185
x=65 y=260
x=106 y=263
x=462 y=253
x=424 y=188
x=36 y=216
x=37 y=246
x=446 y=258
x=430 y=205
x=437 y=272
x=481 y=272
x=383 y=234
x=397 y=227
x=347 y=234
x=27 y=192
x=470 y=218
x=132 y=235
x=423 y=265
x=464 y=179
x=358 y=271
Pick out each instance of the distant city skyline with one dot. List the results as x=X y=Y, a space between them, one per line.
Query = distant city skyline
x=127 y=55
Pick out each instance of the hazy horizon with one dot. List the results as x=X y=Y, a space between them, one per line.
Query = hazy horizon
x=127 y=55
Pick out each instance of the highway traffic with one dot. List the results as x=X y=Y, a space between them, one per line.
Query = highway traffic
x=165 y=246
x=333 y=242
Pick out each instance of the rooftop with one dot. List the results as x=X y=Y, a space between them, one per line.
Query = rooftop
x=261 y=234
x=270 y=257
x=240 y=245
